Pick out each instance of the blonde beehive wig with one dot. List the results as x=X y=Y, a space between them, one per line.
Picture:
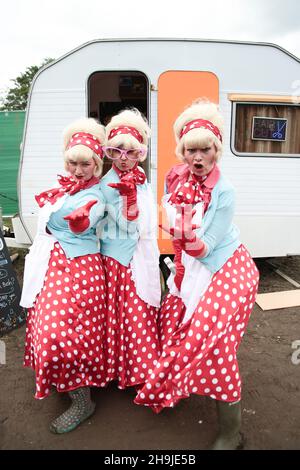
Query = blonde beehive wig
x=131 y=118
x=199 y=137
x=82 y=152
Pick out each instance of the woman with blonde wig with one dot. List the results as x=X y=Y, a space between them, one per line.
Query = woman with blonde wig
x=64 y=284
x=212 y=292
x=130 y=254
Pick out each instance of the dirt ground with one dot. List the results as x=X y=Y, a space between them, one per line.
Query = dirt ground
x=271 y=394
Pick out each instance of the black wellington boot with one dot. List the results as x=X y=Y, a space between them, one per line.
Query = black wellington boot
x=230 y=419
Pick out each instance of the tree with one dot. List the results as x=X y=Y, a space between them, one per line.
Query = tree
x=16 y=97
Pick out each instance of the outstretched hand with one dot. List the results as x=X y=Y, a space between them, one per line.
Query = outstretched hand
x=183 y=232
x=124 y=187
x=184 y=228
x=79 y=218
x=128 y=192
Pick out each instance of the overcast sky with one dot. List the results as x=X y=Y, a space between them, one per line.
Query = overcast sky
x=32 y=30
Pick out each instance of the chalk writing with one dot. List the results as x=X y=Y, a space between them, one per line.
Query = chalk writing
x=11 y=313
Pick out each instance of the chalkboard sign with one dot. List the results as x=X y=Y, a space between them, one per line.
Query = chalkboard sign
x=265 y=128
x=11 y=314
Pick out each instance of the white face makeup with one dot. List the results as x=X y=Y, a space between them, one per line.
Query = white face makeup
x=82 y=169
x=124 y=165
x=200 y=160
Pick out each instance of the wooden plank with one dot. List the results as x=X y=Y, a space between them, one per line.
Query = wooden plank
x=14 y=256
x=263 y=98
x=275 y=300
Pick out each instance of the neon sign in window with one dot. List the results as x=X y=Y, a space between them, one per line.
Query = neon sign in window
x=265 y=128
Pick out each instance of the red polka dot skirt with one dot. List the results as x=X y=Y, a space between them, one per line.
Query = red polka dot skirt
x=64 y=333
x=131 y=344
x=199 y=356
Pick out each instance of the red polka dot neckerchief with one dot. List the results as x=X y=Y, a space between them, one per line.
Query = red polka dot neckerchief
x=134 y=175
x=191 y=191
x=68 y=185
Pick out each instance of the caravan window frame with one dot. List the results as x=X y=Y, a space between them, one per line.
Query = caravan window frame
x=237 y=153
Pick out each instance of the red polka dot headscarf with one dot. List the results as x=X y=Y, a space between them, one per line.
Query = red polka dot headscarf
x=88 y=140
x=201 y=124
x=126 y=130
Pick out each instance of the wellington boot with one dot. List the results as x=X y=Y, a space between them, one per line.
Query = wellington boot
x=81 y=408
x=229 y=418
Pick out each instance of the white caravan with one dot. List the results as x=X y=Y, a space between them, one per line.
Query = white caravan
x=257 y=86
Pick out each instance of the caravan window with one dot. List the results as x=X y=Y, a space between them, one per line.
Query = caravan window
x=110 y=92
x=266 y=129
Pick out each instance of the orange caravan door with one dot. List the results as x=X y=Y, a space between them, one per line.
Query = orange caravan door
x=176 y=90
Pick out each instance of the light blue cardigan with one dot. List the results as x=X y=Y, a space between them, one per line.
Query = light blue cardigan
x=84 y=243
x=217 y=231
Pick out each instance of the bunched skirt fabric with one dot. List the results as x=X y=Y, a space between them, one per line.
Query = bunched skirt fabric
x=65 y=327
x=200 y=356
x=132 y=344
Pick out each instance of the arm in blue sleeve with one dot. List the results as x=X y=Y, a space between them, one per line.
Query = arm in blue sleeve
x=221 y=223
x=114 y=208
x=115 y=212
x=129 y=226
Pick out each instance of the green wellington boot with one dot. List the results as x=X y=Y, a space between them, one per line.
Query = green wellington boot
x=81 y=408
x=229 y=419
